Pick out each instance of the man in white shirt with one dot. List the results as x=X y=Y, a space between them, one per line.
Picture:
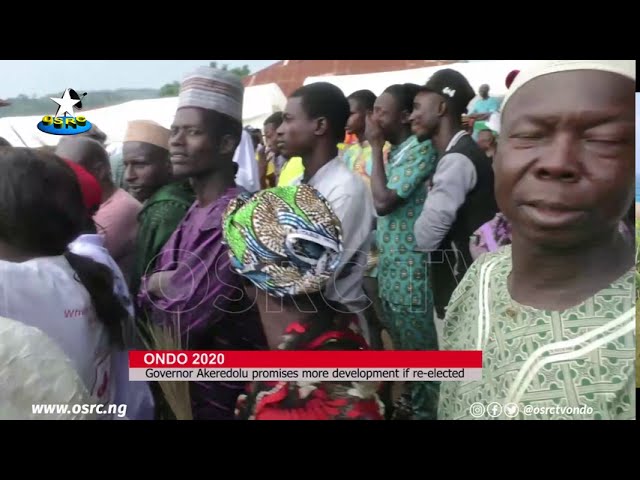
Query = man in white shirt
x=313 y=124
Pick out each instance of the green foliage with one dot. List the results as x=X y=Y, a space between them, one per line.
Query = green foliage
x=170 y=89
x=242 y=72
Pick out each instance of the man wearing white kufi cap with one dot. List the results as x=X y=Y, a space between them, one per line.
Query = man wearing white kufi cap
x=192 y=279
x=554 y=313
x=149 y=177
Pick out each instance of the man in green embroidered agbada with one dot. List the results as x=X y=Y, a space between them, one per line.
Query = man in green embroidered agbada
x=553 y=312
x=149 y=178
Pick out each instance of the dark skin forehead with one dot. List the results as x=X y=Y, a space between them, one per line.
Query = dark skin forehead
x=575 y=99
x=294 y=108
x=355 y=106
x=386 y=102
x=426 y=97
x=190 y=117
x=132 y=151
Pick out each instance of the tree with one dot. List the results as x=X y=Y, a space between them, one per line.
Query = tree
x=242 y=72
x=170 y=90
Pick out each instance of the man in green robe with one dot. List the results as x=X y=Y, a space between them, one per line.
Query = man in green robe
x=149 y=178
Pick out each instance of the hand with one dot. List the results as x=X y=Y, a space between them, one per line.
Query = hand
x=261 y=151
x=158 y=282
x=373 y=132
x=262 y=162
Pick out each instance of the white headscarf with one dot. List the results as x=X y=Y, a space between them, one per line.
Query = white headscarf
x=245 y=156
x=626 y=68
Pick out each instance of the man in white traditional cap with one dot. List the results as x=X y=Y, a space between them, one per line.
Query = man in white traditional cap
x=149 y=176
x=554 y=313
x=192 y=282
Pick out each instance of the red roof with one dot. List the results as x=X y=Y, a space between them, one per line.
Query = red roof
x=290 y=74
x=4 y=103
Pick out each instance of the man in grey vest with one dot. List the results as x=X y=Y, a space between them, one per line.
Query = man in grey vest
x=461 y=197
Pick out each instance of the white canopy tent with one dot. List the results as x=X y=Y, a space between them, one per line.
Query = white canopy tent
x=491 y=72
x=259 y=102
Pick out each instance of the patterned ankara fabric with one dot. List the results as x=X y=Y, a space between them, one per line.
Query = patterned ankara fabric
x=286 y=240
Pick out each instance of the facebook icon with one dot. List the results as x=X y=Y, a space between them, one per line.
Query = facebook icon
x=494 y=409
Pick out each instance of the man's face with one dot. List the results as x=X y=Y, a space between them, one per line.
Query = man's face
x=486 y=140
x=356 y=123
x=297 y=134
x=147 y=168
x=484 y=91
x=425 y=117
x=388 y=114
x=271 y=138
x=564 y=168
x=192 y=148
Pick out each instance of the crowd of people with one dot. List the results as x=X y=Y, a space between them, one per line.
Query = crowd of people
x=413 y=220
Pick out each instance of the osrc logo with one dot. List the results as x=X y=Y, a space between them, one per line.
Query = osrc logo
x=64 y=122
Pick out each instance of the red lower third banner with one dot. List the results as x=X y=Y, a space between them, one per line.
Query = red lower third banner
x=280 y=365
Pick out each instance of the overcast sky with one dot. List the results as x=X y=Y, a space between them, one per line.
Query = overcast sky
x=41 y=77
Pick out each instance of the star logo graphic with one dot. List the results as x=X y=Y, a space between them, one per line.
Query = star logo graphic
x=65 y=104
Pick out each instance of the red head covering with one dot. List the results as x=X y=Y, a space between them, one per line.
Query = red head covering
x=511 y=77
x=91 y=190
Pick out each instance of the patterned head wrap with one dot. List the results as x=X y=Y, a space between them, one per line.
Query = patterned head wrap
x=286 y=240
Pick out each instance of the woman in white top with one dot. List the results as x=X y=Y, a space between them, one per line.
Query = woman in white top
x=68 y=297
x=136 y=395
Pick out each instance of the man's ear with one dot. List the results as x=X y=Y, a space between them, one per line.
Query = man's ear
x=443 y=108
x=228 y=144
x=322 y=125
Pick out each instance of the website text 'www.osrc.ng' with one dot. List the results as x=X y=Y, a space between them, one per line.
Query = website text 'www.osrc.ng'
x=85 y=409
